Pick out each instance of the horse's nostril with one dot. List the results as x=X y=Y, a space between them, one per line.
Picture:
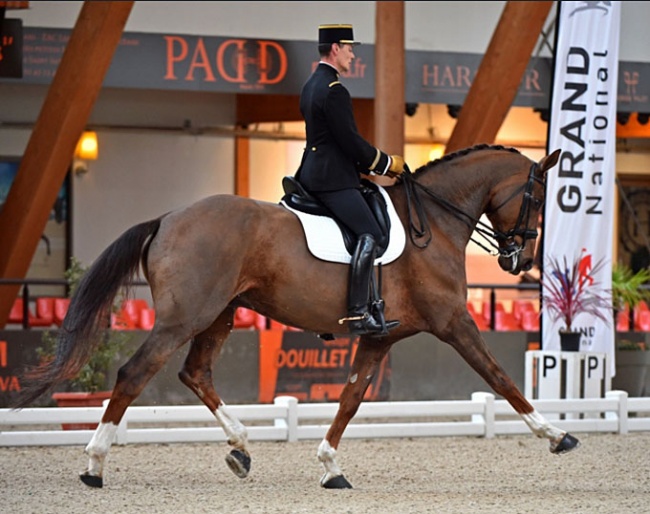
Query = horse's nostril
x=527 y=265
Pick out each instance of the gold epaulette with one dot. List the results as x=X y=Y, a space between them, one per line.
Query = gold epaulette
x=334 y=83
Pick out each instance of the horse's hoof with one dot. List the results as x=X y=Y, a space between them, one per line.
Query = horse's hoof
x=91 y=480
x=239 y=463
x=337 y=482
x=567 y=444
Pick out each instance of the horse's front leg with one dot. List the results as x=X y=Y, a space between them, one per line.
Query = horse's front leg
x=369 y=354
x=466 y=339
x=197 y=375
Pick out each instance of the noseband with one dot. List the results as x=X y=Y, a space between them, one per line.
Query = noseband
x=509 y=248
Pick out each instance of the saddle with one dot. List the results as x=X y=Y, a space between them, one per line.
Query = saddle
x=296 y=197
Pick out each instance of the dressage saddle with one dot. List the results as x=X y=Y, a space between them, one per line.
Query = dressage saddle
x=296 y=197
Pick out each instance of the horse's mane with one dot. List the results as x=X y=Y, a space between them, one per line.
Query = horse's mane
x=460 y=153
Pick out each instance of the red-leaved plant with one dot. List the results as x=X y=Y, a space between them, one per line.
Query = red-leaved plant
x=568 y=292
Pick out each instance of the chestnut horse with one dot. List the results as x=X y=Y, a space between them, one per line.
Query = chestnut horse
x=204 y=261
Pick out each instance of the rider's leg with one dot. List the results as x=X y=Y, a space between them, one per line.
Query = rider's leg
x=349 y=206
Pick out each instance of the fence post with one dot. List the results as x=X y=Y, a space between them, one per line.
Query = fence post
x=488 y=417
x=621 y=414
x=291 y=404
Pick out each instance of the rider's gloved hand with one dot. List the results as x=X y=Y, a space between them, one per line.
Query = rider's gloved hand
x=396 y=167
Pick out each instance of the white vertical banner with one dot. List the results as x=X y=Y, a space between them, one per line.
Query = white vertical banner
x=579 y=214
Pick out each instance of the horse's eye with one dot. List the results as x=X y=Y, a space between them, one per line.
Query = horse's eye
x=537 y=203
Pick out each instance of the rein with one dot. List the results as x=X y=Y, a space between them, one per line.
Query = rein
x=420 y=227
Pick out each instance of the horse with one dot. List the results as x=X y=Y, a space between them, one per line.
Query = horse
x=225 y=251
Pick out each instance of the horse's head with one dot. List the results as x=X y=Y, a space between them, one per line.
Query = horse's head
x=514 y=210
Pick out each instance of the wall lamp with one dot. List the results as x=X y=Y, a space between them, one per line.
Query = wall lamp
x=87 y=150
x=436 y=152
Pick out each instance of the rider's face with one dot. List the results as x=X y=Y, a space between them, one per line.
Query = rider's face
x=344 y=56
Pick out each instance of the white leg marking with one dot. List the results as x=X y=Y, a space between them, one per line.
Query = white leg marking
x=326 y=455
x=235 y=431
x=542 y=428
x=354 y=378
x=99 y=446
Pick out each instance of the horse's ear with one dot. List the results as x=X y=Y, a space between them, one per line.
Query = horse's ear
x=549 y=161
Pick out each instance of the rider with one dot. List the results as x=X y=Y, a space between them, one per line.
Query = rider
x=334 y=158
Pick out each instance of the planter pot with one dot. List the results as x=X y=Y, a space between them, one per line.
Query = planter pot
x=81 y=400
x=569 y=341
x=632 y=372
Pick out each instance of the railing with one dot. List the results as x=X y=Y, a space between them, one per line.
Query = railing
x=288 y=420
x=26 y=297
x=492 y=288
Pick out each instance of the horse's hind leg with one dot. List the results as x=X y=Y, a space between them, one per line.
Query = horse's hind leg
x=131 y=379
x=197 y=375
x=366 y=360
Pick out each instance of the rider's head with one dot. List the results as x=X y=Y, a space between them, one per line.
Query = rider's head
x=335 y=45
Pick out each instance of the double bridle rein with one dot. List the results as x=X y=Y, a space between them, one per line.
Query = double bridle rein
x=420 y=228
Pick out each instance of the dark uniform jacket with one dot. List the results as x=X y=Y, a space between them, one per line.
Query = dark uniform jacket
x=335 y=154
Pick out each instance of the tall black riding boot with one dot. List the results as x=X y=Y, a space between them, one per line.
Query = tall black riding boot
x=360 y=319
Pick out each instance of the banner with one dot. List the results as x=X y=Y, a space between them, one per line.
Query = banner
x=579 y=216
x=311 y=369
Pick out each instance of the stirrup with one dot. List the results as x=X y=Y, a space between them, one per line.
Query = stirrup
x=365 y=315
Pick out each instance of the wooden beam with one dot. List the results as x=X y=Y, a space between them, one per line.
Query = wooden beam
x=242 y=166
x=50 y=149
x=390 y=73
x=499 y=75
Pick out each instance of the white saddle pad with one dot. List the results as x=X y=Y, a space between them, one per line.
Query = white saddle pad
x=325 y=241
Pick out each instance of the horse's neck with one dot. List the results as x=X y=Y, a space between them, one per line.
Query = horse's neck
x=467 y=188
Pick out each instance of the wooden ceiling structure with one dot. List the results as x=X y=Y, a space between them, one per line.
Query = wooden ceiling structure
x=87 y=56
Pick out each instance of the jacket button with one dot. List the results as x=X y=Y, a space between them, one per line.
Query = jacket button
x=313 y=148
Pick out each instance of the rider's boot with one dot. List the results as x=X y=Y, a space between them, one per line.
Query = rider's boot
x=360 y=319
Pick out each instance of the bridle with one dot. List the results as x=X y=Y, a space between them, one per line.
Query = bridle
x=505 y=246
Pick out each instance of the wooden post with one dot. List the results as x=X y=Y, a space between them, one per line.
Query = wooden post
x=242 y=166
x=390 y=78
x=50 y=149
x=499 y=75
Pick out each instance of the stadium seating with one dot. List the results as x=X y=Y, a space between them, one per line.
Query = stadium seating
x=505 y=321
x=248 y=319
x=530 y=321
x=60 y=310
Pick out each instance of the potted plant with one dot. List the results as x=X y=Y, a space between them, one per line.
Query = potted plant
x=569 y=290
x=627 y=292
x=632 y=357
x=89 y=387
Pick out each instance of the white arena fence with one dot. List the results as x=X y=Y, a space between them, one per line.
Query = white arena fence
x=288 y=420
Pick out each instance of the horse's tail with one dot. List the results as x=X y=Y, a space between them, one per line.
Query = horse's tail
x=90 y=309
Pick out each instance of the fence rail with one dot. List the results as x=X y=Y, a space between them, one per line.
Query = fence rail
x=288 y=420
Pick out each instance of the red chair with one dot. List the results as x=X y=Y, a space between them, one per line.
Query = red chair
x=505 y=322
x=60 y=310
x=520 y=306
x=478 y=319
x=276 y=325
x=16 y=315
x=132 y=309
x=485 y=310
x=642 y=321
x=530 y=321
x=16 y=312
x=623 y=321
x=248 y=319
x=44 y=313
x=147 y=319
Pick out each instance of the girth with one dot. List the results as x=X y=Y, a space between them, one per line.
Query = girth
x=298 y=198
